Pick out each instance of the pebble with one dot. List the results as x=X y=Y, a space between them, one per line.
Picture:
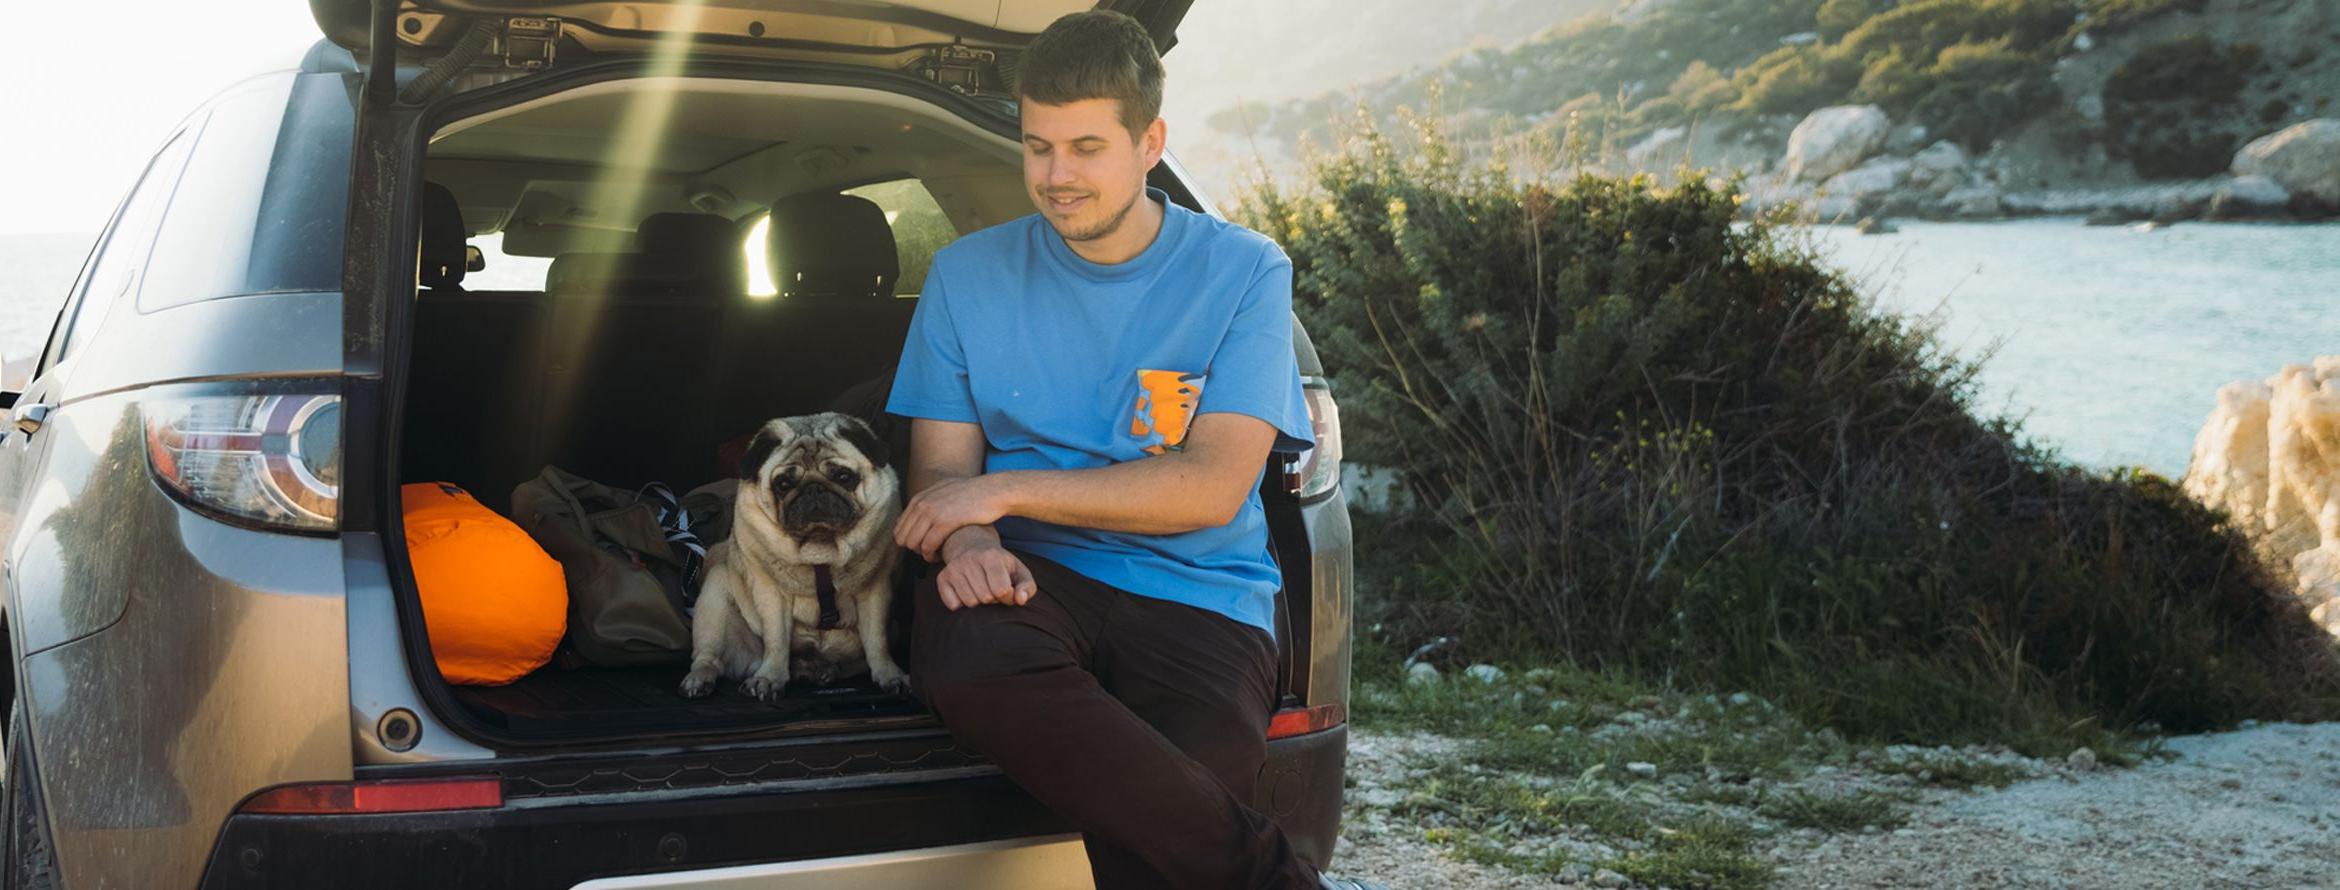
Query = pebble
x=1607 y=878
x=2082 y=759
x=1484 y=673
x=1575 y=872
x=1641 y=770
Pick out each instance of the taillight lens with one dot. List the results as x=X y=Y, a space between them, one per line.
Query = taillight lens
x=1302 y=721
x=1318 y=470
x=349 y=798
x=273 y=459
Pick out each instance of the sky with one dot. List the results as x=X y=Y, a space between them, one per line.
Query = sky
x=86 y=105
x=85 y=108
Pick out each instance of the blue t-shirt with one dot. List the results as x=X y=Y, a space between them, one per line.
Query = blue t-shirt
x=1069 y=364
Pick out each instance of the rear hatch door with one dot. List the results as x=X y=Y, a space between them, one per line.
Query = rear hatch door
x=895 y=34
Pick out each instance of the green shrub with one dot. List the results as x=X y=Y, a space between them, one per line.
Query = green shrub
x=1700 y=89
x=2156 y=105
x=1891 y=81
x=2109 y=16
x=1650 y=439
x=1793 y=80
x=1838 y=17
x=1974 y=113
x=1923 y=29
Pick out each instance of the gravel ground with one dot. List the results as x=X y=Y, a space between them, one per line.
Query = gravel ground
x=1391 y=851
x=2258 y=807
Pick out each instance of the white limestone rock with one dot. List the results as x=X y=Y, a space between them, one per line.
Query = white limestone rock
x=2304 y=158
x=1833 y=140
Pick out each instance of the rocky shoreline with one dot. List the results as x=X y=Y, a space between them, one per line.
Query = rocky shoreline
x=1850 y=163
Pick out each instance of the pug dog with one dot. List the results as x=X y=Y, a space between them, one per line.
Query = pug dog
x=804 y=584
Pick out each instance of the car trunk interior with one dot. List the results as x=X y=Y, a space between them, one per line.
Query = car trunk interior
x=626 y=326
x=668 y=263
x=644 y=303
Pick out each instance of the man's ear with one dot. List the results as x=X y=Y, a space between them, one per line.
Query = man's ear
x=1155 y=141
x=759 y=448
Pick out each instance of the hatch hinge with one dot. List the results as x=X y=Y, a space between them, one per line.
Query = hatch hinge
x=964 y=69
x=529 y=40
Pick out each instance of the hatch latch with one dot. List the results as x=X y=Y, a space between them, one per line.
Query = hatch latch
x=529 y=41
x=964 y=70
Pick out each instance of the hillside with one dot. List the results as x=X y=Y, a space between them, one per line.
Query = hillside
x=2051 y=105
x=1232 y=55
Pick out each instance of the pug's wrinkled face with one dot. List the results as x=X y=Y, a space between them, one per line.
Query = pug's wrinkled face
x=817 y=476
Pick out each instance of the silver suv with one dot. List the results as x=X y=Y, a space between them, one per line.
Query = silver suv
x=541 y=237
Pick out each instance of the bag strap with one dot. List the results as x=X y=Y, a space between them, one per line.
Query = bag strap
x=676 y=522
x=826 y=588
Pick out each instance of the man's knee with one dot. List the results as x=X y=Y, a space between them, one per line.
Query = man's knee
x=961 y=659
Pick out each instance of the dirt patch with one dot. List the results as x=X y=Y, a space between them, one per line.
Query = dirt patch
x=2252 y=808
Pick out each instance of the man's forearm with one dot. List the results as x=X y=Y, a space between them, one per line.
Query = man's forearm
x=1203 y=486
x=1161 y=495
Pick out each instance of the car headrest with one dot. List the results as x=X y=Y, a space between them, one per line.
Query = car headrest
x=691 y=237
x=574 y=272
x=442 y=238
x=832 y=245
x=689 y=255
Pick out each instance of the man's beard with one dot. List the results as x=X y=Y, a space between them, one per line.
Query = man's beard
x=1101 y=229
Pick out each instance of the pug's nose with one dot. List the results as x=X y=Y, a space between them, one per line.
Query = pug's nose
x=819 y=504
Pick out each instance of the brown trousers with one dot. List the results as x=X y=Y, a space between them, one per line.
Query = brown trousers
x=1141 y=721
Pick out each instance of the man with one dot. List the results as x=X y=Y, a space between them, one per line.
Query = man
x=1095 y=391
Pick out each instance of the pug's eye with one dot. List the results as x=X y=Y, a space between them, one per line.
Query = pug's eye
x=784 y=481
x=844 y=477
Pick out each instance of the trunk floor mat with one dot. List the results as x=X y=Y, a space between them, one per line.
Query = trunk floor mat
x=600 y=700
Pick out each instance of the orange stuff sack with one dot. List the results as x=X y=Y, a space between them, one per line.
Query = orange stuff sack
x=495 y=604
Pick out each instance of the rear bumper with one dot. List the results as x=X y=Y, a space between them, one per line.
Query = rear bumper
x=528 y=844
x=715 y=837
x=1044 y=863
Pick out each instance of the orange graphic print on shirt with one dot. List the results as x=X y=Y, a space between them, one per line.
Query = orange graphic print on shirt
x=1165 y=405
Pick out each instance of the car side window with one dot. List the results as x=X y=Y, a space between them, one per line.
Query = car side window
x=920 y=228
x=121 y=254
x=234 y=225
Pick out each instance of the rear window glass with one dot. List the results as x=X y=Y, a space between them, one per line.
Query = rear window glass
x=262 y=204
x=504 y=271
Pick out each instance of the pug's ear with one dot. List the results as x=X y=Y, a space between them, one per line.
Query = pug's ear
x=857 y=433
x=759 y=448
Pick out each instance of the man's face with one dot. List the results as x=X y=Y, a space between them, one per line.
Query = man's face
x=1084 y=170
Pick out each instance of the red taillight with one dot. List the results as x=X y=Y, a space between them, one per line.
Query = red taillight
x=1318 y=469
x=1302 y=721
x=394 y=796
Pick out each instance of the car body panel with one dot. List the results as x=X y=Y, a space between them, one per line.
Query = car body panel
x=223 y=674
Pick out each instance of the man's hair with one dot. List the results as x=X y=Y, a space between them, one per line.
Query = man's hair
x=1095 y=55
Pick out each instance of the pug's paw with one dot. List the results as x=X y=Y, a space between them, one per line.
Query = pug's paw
x=889 y=676
x=765 y=687
x=700 y=682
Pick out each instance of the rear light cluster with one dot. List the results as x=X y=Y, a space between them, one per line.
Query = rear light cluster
x=1302 y=721
x=388 y=796
x=269 y=459
x=1318 y=470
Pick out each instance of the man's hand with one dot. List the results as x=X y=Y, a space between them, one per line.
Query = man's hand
x=978 y=571
x=947 y=506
